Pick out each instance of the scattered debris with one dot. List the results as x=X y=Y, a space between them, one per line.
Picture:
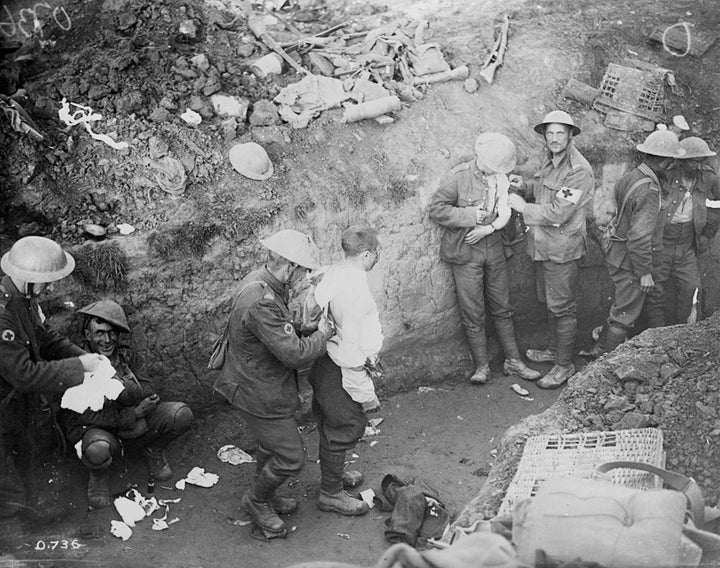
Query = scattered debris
x=495 y=59
x=371 y=109
x=375 y=422
x=371 y=431
x=191 y=117
x=198 y=476
x=368 y=495
x=516 y=388
x=170 y=174
x=344 y=536
x=125 y=229
x=84 y=115
x=683 y=38
x=234 y=455
x=120 y=530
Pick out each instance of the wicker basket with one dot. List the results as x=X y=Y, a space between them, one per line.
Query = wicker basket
x=579 y=454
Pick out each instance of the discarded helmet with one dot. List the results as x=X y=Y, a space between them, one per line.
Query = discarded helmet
x=36 y=260
x=109 y=311
x=557 y=117
x=662 y=143
x=496 y=152
x=251 y=160
x=696 y=148
x=295 y=247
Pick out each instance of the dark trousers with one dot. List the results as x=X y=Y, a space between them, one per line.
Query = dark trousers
x=629 y=298
x=17 y=456
x=485 y=277
x=278 y=437
x=168 y=421
x=677 y=263
x=341 y=421
x=556 y=286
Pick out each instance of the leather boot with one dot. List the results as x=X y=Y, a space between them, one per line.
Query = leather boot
x=11 y=534
x=481 y=375
x=282 y=505
x=256 y=502
x=98 y=489
x=518 y=368
x=557 y=376
x=610 y=338
x=548 y=354
x=332 y=497
x=158 y=464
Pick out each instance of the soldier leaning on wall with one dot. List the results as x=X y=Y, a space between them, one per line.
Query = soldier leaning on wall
x=690 y=220
x=629 y=259
x=562 y=189
x=471 y=205
x=33 y=359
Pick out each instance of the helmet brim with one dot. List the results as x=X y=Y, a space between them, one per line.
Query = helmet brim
x=650 y=151
x=37 y=277
x=540 y=128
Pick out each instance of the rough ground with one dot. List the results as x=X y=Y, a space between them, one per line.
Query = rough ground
x=125 y=58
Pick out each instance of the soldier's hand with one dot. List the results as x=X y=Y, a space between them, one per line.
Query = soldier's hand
x=647 y=283
x=516 y=181
x=138 y=429
x=91 y=361
x=516 y=202
x=146 y=406
x=326 y=327
x=479 y=232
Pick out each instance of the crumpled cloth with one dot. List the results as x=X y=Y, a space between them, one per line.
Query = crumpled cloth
x=417 y=514
x=95 y=388
x=84 y=115
x=198 y=476
x=170 y=174
x=478 y=550
x=312 y=93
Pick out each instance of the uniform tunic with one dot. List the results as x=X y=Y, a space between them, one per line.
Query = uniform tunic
x=685 y=232
x=33 y=359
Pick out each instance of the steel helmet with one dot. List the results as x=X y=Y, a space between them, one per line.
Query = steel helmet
x=295 y=247
x=37 y=260
x=496 y=152
x=557 y=117
x=662 y=143
x=251 y=160
x=108 y=311
x=696 y=148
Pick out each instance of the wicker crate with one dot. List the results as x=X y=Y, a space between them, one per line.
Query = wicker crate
x=579 y=454
x=638 y=90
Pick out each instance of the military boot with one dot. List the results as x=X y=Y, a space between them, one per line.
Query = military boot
x=332 y=497
x=98 y=489
x=256 y=503
x=481 y=375
x=518 y=368
x=557 y=376
x=282 y=505
x=158 y=464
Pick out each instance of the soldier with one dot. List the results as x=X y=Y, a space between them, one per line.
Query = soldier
x=472 y=206
x=259 y=375
x=637 y=232
x=137 y=417
x=33 y=359
x=688 y=224
x=562 y=189
x=342 y=380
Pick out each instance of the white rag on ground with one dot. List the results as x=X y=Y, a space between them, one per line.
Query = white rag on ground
x=84 y=115
x=345 y=291
x=95 y=388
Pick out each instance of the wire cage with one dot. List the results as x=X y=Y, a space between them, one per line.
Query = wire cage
x=580 y=454
x=639 y=90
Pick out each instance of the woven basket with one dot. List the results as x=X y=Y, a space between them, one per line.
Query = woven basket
x=579 y=455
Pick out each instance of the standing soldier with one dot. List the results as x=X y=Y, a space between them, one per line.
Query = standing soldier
x=562 y=190
x=688 y=224
x=638 y=231
x=259 y=375
x=33 y=359
x=472 y=207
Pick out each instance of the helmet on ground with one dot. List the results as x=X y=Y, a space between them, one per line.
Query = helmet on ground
x=696 y=148
x=251 y=160
x=680 y=122
x=108 y=311
x=662 y=143
x=557 y=117
x=37 y=260
x=496 y=152
x=295 y=247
